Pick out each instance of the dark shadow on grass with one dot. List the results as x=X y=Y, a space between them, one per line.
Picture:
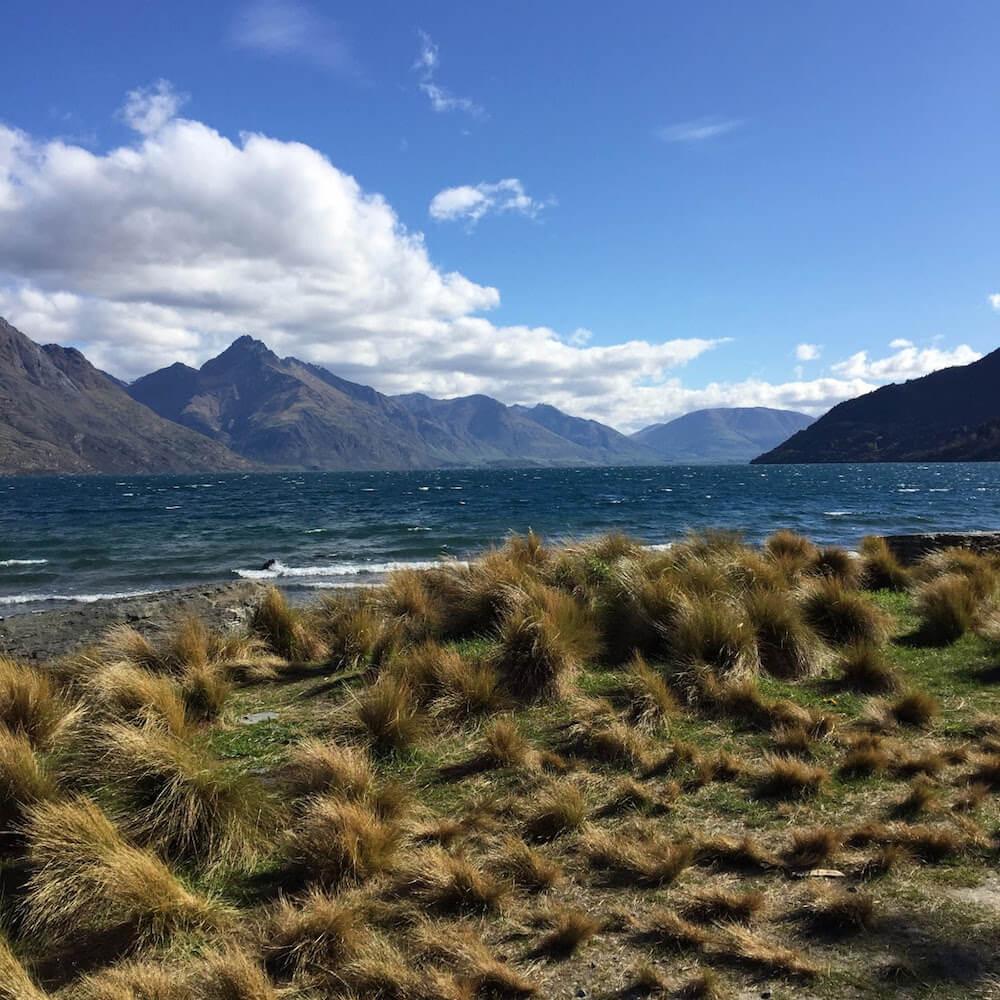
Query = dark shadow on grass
x=989 y=674
x=85 y=952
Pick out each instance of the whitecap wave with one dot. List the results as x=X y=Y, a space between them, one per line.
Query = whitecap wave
x=277 y=570
x=12 y=599
x=23 y=562
x=837 y=513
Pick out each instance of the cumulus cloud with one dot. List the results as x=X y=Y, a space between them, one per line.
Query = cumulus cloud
x=908 y=361
x=441 y=99
x=995 y=301
x=291 y=27
x=807 y=352
x=169 y=247
x=698 y=130
x=472 y=202
x=148 y=109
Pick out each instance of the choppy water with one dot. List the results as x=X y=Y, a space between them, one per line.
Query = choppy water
x=80 y=538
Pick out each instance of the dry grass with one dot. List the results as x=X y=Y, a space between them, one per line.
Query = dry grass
x=787 y=647
x=284 y=629
x=837 y=912
x=842 y=616
x=387 y=716
x=650 y=701
x=527 y=867
x=570 y=930
x=205 y=690
x=865 y=667
x=315 y=768
x=606 y=741
x=447 y=884
x=87 y=877
x=138 y=696
x=715 y=632
x=881 y=569
x=319 y=930
x=638 y=858
x=743 y=947
x=917 y=709
x=557 y=808
x=24 y=781
x=813 y=847
x=788 y=545
x=667 y=929
x=180 y=799
x=231 y=974
x=947 y=606
x=138 y=980
x=31 y=704
x=987 y=772
x=15 y=983
x=711 y=906
x=735 y=854
x=703 y=986
x=335 y=841
x=788 y=777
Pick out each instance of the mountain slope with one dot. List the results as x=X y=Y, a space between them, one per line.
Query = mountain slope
x=724 y=434
x=949 y=415
x=58 y=413
x=285 y=412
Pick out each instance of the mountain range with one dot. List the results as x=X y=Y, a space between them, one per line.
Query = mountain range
x=950 y=415
x=722 y=435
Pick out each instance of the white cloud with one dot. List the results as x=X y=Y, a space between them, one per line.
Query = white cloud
x=698 y=130
x=907 y=362
x=995 y=301
x=900 y=343
x=473 y=202
x=442 y=100
x=169 y=247
x=291 y=27
x=148 y=109
x=807 y=352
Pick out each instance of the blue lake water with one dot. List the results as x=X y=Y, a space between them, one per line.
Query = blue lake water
x=78 y=538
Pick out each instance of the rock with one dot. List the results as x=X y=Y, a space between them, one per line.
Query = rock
x=256 y=717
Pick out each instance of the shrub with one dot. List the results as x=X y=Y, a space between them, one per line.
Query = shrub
x=318 y=930
x=336 y=841
x=842 y=616
x=864 y=667
x=179 y=798
x=284 y=629
x=86 y=877
x=544 y=638
x=787 y=647
x=557 y=808
x=712 y=631
x=30 y=704
x=947 y=607
x=881 y=570
x=24 y=781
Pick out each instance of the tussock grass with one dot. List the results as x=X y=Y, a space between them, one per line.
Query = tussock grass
x=178 y=798
x=703 y=986
x=788 y=777
x=787 y=646
x=31 y=704
x=25 y=779
x=864 y=761
x=788 y=545
x=335 y=841
x=837 y=564
x=134 y=694
x=15 y=982
x=606 y=741
x=558 y=808
x=638 y=858
x=285 y=630
x=315 y=768
x=711 y=906
x=570 y=930
x=744 y=947
x=987 y=772
x=650 y=701
x=837 y=912
x=205 y=690
x=865 y=667
x=386 y=715
x=718 y=633
x=447 y=884
x=87 y=877
x=921 y=797
x=351 y=629
x=812 y=847
x=319 y=930
x=408 y=606
x=881 y=569
x=667 y=929
x=734 y=854
x=231 y=974
x=527 y=867
x=842 y=616
x=543 y=640
x=917 y=709
x=947 y=606
x=139 y=980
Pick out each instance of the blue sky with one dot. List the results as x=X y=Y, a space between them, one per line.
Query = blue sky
x=651 y=206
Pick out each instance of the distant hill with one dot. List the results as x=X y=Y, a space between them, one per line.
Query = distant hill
x=725 y=434
x=285 y=412
x=952 y=415
x=58 y=413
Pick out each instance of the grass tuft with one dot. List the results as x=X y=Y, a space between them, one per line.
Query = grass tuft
x=812 y=848
x=558 y=808
x=842 y=616
x=15 y=982
x=636 y=858
x=447 y=884
x=570 y=930
x=788 y=778
x=315 y=931
x=917 y=709
x=284 y=629
x=526 y=867
x=947 y=607
x=865 y=667
x=711 y=906
x=31 y=705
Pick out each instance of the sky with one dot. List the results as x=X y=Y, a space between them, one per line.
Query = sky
x=629 y=210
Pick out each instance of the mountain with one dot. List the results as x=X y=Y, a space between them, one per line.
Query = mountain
x=726 y=434
x=58 y=413
x=285 y=412
x=952 y=415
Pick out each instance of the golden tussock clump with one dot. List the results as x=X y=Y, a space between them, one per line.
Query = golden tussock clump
x=787 y=646
x=179 y=798
x=921 y=797
x=813 y=847
x=86 y=877
x=864 y=667
x=136 y=695
x=917 y=709
x=716 y=633
x=407 y=605
x=138 y=980
x=24 y=781
x=447 y=884
x=703 y=986
x=837 y=564
x=839 y=912
x=650 y=701
x=947 y=606
x=15 y=982
x=231 y=974
x=526 y=867
x=629 y=794
x=315 y=768
x=30 y=704
x=667 y=929
x=351 y=629
x=711 y=906
x=284 y=629
x=987 y=771
x=789 y=545
x=570 y=929
x=842 y=616
x=335 y=841
x=319 y=930
x=732 y=853
x=606 y=741
x=386 y=715
x=788 y=777
x=558 y=808
x=635 y=857
x=742 y=946
x=881 y=570
x=542 y=642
